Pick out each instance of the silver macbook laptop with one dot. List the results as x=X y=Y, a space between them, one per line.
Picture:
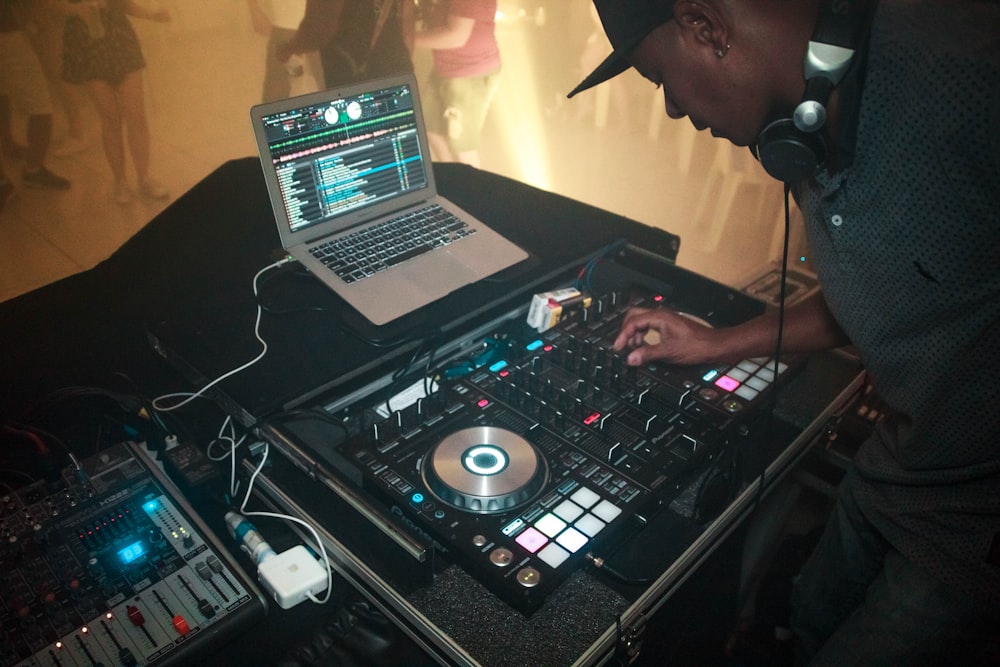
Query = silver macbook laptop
x=350 y=180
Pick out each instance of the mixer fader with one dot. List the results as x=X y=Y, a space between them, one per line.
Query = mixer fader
x=539 y=448
x=109 y=565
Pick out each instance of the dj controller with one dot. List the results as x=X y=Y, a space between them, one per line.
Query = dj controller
x=532 y=454
x=108 y=565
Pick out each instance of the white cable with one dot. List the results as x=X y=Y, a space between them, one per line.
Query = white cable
x=234 y=443
x=256 y=331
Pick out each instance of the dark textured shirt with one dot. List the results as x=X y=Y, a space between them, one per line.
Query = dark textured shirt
x=351 y=55
x=906 y=242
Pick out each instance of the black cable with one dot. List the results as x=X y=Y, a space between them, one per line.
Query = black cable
x=769 y=424
x=601 y=565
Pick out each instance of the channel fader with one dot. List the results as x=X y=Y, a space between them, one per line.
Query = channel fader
x=110 y=565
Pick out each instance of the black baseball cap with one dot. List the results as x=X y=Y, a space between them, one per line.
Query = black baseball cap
x=626 y=23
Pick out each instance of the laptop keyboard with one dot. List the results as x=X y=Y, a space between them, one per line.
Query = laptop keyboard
x=364 y=253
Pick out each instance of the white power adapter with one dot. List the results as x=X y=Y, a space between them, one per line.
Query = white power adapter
x=292 y=576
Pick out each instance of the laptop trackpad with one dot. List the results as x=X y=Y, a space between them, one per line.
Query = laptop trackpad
x=438 y=274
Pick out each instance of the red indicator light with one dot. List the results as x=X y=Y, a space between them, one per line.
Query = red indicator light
x=547 y=348
x=483 y=402
x=504 y=374
x=658 y=298
x=591 y=418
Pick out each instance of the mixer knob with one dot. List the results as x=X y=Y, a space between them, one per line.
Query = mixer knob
x=29 y=624
x=548 y=390
x=503 y=389
x=570 y=360
x=564 y=400
x=617 y=362
x=520 y=399
x=533 y=407
x=14 y=547
x=529 y=382
x=601 y=356
x=572 y=345
x=537 y=363
x=559 y=353
x=75 y=588
x=616 y=382
x=21 y=608
x=57 y=614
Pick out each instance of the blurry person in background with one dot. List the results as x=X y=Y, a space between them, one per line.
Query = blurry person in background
x=356 y=39
x=278 y=20
x=464 y=78
x=48 y=23
x=101 y=51
x=22 y=83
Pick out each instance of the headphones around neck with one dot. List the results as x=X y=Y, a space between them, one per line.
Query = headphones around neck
x=792 y=149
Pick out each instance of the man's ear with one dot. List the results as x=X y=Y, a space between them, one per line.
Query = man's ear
x=702 y=25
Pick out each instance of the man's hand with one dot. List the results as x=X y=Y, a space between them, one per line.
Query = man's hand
x=665 y=334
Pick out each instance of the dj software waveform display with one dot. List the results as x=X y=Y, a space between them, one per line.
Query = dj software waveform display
x=337 y=156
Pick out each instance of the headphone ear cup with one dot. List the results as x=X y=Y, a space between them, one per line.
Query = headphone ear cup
x=789 y=154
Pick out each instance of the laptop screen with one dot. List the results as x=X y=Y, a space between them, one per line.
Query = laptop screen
x=336 y=156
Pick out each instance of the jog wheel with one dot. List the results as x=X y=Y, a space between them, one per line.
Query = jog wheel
x=485 y=470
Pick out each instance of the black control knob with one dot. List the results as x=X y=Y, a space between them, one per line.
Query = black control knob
x=564 y=401
x=572 y=345
x=548 y=390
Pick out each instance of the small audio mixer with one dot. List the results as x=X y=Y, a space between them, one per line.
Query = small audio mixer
x=539 y=448
x=109 y=565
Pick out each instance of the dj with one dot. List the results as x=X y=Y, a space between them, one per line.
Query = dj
x=900 y=192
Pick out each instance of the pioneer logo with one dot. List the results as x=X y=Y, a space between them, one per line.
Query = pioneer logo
x=397 y=510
